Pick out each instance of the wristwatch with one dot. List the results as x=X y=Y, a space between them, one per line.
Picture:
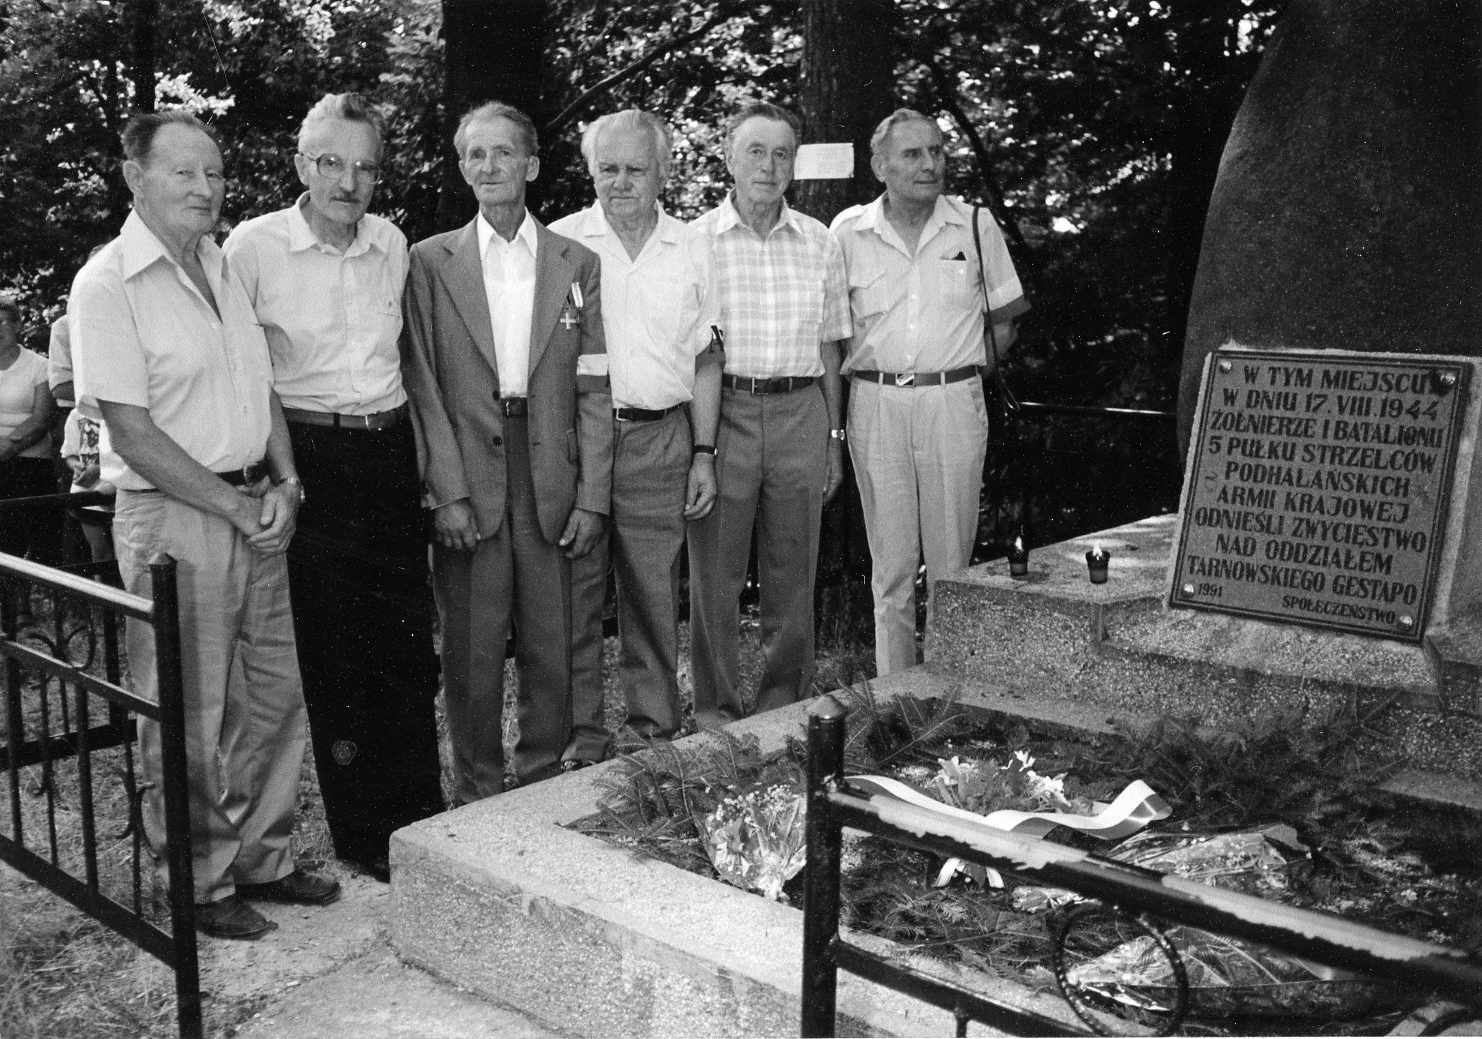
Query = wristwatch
x=303 y=495
x=704 y=449
x=838 y=434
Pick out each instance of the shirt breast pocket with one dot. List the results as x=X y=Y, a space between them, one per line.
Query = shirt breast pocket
x=384 y=316
x=673 y=318
x=961 y=284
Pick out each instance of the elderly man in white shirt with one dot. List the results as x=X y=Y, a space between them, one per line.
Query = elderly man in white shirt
x=167 y=350
x=661 y=313
x=325 y=278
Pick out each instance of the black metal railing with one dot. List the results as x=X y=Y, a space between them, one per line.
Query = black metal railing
x=1145 y=899
x=66 y=707
x=1047 y=461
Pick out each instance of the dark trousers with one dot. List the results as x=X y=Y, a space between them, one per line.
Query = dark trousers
x=29 y=533
x=362 y=613
x=514 y=577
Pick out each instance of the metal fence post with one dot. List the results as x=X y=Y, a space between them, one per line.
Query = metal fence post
x=177 y=794
x=821 y=876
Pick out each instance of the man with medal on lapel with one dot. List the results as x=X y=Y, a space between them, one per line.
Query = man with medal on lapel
x=506 y=369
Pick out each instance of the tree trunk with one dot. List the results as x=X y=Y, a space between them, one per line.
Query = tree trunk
x=1346 y=213
x=141 y=59
x=494 y=51
x=847 y=85
x=1202 y=116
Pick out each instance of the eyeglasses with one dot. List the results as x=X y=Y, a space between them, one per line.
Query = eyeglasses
x=333 y=167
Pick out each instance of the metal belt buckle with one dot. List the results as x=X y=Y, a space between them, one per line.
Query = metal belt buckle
x=252 y=472
x=905 y=378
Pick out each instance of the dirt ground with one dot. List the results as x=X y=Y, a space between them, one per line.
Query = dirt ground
x=323 y=972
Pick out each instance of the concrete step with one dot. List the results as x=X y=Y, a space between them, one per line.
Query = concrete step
x=379 y=997
x=329 y=971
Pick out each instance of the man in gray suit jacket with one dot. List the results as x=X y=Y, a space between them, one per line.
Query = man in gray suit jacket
x=506 y=370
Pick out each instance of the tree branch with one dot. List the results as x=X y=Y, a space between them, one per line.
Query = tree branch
x=948 y=98
x=570 y=112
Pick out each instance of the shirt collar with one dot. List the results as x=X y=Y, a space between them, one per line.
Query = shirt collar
x=141 y=249
x=592 y=223
x=730 y=216
x=873 y=217
x=301 y=236
x=525 y=233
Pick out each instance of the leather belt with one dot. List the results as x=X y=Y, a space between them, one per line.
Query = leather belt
x=377 y=420
x=513 y=407
x=781 y=384
x=243 y=477
x=643 y=414
x=247 y=475
x=918 y=378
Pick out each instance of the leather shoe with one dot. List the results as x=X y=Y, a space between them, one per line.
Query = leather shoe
x=231 y=917
x=298 y=888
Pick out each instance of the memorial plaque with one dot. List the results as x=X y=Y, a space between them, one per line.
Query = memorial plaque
x=1318 y=489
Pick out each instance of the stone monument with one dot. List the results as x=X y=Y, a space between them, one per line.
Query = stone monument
x=1311 y=575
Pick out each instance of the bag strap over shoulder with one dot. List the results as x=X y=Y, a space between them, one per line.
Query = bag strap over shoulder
x=1010 y=402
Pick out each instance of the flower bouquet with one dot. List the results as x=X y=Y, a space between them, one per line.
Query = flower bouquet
x=758 y=840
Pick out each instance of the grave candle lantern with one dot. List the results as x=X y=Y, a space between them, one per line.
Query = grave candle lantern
x=1018 y=558
x=1096 y=562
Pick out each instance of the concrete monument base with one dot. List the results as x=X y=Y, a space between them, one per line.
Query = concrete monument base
x=1058 y=641
x=501 y=898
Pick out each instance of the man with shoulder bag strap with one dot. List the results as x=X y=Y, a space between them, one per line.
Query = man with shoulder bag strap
x=918 y=424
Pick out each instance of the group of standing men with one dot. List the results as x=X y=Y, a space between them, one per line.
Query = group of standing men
x=284 y=410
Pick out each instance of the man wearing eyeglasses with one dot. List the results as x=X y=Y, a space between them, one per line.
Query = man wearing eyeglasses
x=325 y=278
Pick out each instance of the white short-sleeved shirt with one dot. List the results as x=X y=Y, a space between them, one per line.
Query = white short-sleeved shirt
x=142 y=334
x=17 y=393
x=781 y=294
x=332 y=318
x=923 y=312
x=657 y=310
x=59 y=356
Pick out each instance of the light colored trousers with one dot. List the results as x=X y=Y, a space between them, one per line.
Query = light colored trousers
x=918 y=458
x=771 y=465
x=244 y=703
x=645 y=534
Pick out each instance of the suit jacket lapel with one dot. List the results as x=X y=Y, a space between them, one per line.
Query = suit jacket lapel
x=463 y=274
x=554 y=273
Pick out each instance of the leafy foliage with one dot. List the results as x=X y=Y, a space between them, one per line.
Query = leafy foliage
x=1276 y=768
x=653 y=799
x=1092 y=131
x=1410 y=871
x=905 y=729
x=251 y=68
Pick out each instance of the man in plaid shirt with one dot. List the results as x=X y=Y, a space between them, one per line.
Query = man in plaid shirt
x=785 y=300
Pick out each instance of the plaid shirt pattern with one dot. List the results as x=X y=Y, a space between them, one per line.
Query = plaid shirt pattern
x=781 y=296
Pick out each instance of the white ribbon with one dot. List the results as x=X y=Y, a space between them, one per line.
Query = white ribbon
x=1133 y=809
